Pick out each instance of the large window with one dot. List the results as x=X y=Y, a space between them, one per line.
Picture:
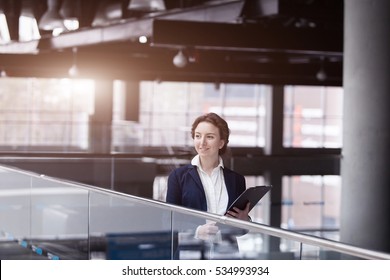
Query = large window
x=313 y=117
x=45 y=114
x=168 y=110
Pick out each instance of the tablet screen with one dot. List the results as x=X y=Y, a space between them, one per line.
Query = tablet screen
x=252 y=195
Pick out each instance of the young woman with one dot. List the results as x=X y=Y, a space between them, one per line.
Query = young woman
x=206 y=184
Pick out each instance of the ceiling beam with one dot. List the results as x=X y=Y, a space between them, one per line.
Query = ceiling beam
x=129 y=30
x=248 y=37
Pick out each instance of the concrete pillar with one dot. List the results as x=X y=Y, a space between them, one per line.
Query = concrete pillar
x=274 y=121
x=365 y=207
x=132 y=101
x=101 y=120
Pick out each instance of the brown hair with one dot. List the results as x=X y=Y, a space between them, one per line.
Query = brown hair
x=219 y=122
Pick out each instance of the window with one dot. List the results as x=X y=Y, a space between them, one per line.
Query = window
x=313 y=117
x=311 y=202
x=168 y=110
x=45 y=114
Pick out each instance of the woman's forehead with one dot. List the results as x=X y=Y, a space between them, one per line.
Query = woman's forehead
x=206 y=127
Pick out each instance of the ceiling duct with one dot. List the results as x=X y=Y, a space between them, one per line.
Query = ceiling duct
x=146 y=6
x=139 y=8
x=252 y=10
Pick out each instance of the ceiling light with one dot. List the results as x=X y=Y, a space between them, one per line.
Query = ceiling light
x=180 y=60
x=107 y=12
x=70 y=11
x=74 y=70
x=143 y=39
x=321 y=74
x=51 y=19
x=3 y=74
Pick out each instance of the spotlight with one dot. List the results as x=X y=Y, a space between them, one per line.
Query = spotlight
x=74 y=70
x=180 y=60
x=143 y=39
x=321 y=74
x=3 y=74
x=51 y=19
x=148 y=6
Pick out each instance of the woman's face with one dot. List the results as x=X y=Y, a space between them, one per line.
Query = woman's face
x=207 y=140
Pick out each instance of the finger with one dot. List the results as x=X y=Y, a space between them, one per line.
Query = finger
x=232 y=214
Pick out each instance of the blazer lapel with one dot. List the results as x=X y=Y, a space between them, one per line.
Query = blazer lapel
x=229 y=182
x=195 y=175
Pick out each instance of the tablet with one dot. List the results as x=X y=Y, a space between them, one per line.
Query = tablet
x=252 y=194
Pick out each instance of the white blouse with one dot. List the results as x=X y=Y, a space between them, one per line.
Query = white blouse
x=214 y=187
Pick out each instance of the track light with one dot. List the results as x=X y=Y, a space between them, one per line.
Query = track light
x=180 y=60
x=51 y=19
x=146 y=6
x=321 y=75
x=70 y=12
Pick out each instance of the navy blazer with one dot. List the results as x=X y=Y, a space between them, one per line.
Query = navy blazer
x=185 y=187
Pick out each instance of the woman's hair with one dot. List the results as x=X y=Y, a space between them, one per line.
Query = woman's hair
x=219 y=122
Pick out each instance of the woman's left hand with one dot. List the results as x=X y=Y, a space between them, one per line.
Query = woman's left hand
x=240 y=214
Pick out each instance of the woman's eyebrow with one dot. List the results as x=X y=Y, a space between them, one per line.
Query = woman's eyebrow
x=207 y=133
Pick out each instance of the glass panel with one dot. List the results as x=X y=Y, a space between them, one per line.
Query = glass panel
x=195 y=241
x=134 y=176
x=125 y=228
x=15 y=214
x=313 y=116
x=41 y=218
x=310 y=252
x=227 y=243
x=311 y=202
x=59 y=220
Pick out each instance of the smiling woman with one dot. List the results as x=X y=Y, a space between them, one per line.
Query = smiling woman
x=205 y=184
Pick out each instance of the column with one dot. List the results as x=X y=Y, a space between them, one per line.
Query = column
x=101 y=120
x=365 y=202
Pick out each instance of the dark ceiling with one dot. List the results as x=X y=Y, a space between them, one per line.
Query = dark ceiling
x=255 y=41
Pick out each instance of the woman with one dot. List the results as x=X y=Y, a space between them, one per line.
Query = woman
x=206 y=184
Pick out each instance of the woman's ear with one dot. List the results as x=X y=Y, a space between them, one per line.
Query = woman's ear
x=222 y=143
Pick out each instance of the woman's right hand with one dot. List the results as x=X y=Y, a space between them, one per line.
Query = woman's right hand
x=207 y=231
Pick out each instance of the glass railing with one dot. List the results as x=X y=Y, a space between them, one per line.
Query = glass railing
x=45 y=218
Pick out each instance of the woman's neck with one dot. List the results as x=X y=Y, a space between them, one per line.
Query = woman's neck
x=208 y=164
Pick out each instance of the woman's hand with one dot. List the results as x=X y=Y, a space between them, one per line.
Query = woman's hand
x=207 y=231
x=240 y=214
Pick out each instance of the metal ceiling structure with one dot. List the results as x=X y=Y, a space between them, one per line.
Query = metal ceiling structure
x=255 y=41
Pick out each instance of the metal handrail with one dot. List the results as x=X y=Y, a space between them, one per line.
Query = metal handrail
x=251 y=226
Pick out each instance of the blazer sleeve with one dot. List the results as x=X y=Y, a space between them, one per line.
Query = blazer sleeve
x=174 y=189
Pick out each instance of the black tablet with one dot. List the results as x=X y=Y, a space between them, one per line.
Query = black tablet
x=252 y=195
